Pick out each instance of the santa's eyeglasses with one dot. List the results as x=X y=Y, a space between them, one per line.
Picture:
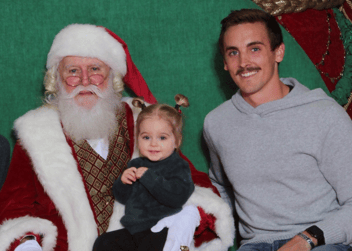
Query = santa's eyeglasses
x=95 y=79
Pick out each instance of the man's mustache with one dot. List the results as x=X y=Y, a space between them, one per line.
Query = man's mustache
x=90 y=88
x=242 y=69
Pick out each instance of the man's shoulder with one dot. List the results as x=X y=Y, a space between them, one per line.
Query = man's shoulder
x=317 y=105
x=319 y=100
x=305 y=97
x=43 y=114
x=43 y=121
x=220 y=111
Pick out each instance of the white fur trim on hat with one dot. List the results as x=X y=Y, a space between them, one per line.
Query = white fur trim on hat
x=86 y=40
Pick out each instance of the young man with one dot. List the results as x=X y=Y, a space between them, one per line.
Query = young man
x=280 y=154
x=57 y=194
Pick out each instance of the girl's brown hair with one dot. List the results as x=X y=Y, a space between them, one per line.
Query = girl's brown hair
x=170 y=114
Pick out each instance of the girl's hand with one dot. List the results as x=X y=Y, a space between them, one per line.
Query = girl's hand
x=140 y=172
x=129 y=176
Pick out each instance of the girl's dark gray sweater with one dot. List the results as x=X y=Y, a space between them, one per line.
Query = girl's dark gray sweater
x=161 y=192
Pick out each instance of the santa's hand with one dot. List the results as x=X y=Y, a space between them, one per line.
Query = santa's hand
x=181 y=228
x=30 y=245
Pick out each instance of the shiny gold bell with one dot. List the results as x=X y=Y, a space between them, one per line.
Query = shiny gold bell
x=184 y=248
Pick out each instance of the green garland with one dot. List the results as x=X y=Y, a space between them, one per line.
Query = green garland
x=343 y=88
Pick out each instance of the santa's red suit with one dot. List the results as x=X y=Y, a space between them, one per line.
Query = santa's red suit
x=45 y=193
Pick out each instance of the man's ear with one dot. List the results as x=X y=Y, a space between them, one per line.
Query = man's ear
x=280 y=53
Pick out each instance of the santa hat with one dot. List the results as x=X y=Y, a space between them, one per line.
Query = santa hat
x=86 y=40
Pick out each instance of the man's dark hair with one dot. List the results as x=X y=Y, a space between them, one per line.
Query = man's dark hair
x=252 y=16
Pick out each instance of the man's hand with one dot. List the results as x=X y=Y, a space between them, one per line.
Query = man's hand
x=129 y=176
x=30 y=245
x=297 y=243
x=140 y=172
x=181 y=228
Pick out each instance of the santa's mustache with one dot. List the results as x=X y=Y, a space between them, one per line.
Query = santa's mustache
x=249 y=69
x=90 y=88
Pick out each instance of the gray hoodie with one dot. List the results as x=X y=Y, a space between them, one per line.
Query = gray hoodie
x=285 y=165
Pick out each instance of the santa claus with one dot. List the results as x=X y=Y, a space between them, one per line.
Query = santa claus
x=57 y=195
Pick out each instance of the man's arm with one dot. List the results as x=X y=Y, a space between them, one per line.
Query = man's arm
x=335 y=163
x=297 y=243
x=18 y=206
x=217 y=174
x=223 y=185
x=29 y=243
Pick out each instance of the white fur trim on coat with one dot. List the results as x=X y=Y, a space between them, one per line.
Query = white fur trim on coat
x=12 y=229
x=41 y=134
x=86 y=40
x=224 y=224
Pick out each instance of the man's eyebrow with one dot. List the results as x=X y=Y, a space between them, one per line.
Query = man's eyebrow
x=231 y=48
x=254 y=43
x=248 y=45
x=96 y=64
x=74 y=65
x=68 y=66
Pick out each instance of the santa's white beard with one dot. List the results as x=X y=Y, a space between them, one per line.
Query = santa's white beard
x=81 y=123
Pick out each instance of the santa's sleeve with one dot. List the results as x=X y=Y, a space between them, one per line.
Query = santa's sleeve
x=18 y=206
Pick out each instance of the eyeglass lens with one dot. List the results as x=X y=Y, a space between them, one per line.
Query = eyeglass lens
x=96 y=79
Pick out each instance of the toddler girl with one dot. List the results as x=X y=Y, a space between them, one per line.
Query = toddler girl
x=154 y=186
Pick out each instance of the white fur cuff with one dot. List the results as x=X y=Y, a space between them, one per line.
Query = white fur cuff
x=15 y=228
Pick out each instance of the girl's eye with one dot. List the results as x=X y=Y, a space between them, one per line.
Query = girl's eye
x=145 y=137
x=162 y=137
